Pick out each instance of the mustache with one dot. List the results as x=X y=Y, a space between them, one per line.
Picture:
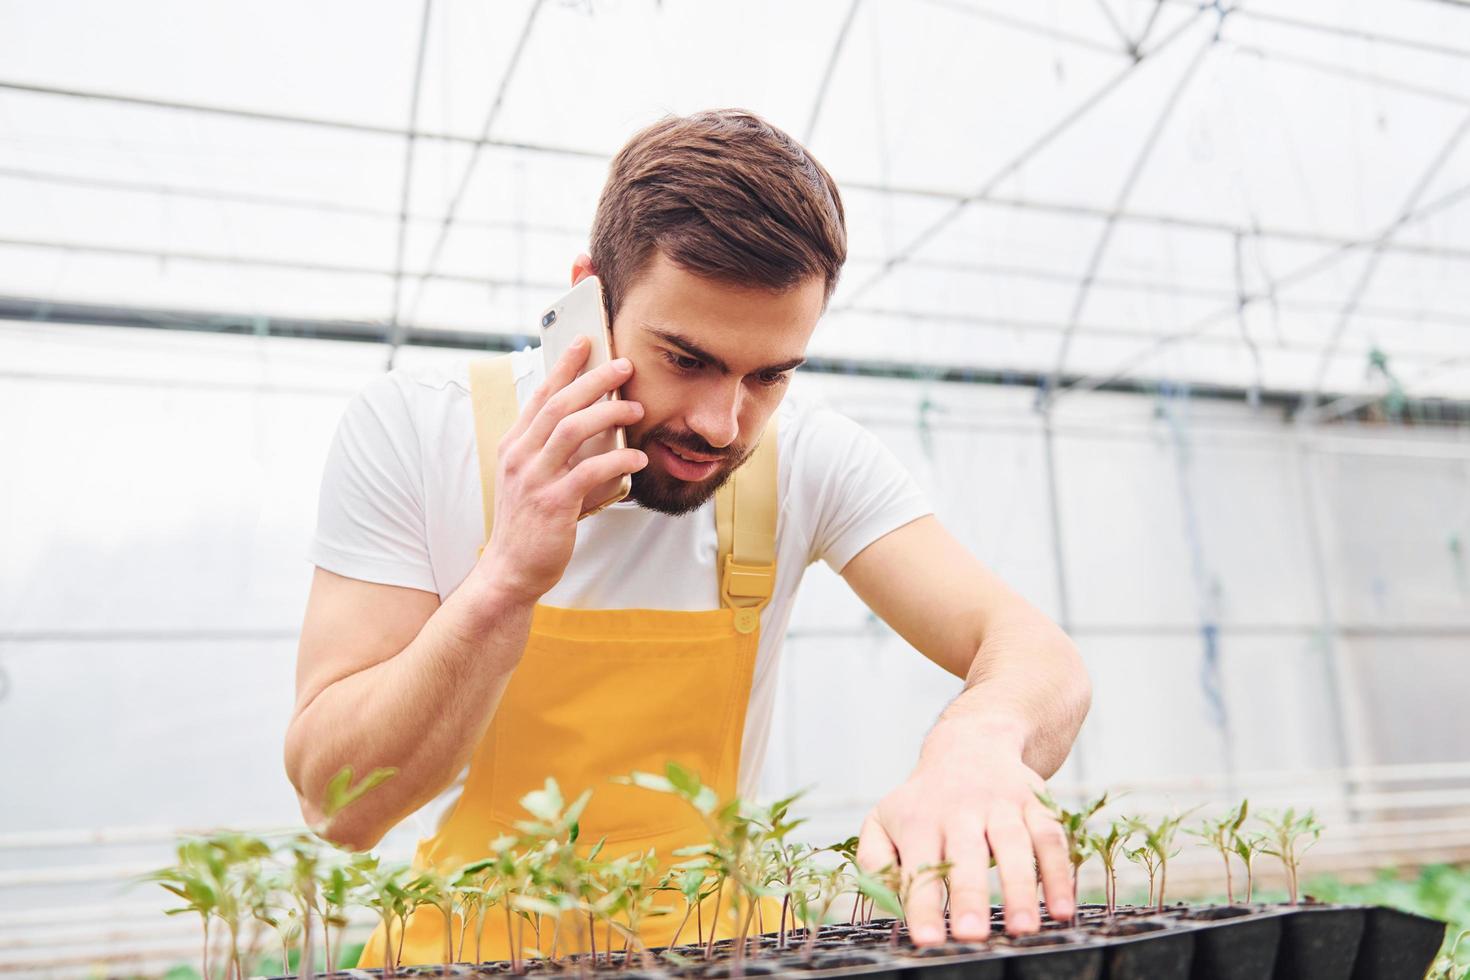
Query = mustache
x=691 y=443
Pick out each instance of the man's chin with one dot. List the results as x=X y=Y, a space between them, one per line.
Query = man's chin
x=670 y=495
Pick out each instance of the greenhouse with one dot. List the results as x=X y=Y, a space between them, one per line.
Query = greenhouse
x=699 y=490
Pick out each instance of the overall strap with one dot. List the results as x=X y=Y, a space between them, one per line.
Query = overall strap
x=745 y=522
x=493 y=398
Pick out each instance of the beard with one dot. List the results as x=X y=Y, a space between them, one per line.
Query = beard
x=667 y=494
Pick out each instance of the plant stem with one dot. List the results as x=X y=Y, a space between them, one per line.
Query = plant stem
x=510 y=938
x=1229 y=880
x=1249 y=882
x=448 y=939
x=204 y=963
x=714 y=923
x=675 y=941
x=781 y=927
x=387 y=945
x=1163 y=878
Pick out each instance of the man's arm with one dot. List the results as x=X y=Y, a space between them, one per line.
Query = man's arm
x=971 y=795
x=387 y=677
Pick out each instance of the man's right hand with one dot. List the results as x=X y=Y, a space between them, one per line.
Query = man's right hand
x=539 y=489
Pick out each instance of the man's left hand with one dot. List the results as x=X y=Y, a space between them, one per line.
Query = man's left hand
x=965 y=806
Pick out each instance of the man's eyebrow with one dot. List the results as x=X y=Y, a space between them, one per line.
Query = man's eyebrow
x=694 y=350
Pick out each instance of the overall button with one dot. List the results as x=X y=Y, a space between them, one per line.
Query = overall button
x=746 y=620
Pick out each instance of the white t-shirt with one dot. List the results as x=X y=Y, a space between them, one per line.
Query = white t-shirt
x=401 y=505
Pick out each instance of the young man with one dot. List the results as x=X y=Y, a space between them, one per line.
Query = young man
x=650 y=631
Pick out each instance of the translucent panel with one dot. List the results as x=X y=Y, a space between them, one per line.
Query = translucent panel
x=1400 y=521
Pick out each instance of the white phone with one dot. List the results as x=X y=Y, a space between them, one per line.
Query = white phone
x=581 y=313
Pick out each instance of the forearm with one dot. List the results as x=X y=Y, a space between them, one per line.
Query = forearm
x=1026 y=689
x=422 y=712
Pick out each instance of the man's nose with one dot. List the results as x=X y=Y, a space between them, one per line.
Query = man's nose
x=716 y=418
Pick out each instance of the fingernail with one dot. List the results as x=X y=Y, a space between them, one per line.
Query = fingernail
x=928 y=934
x=970 y=923
x=623 y=364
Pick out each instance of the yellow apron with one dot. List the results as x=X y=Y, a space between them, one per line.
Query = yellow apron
x=602 y=692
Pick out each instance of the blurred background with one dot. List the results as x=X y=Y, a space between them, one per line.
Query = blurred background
x=1165 y=304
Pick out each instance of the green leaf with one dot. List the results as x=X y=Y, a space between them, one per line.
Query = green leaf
x=574 y=812
x=682 y=779
x=340 y=793
x=544 y=804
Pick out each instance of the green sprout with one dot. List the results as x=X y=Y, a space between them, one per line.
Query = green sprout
x=1246 y=847
x=384 y=890
x=690 y=881
x=732 y=853
x=1284 y=842
x=1107 y=848
x=1221 y=835
x=1158 y=841
x=816 y=891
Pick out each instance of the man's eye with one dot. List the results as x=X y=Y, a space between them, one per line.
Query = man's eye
x=683 y=363
x=773 y=377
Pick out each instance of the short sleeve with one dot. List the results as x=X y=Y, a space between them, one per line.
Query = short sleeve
x=858 y=489
x=370 y=514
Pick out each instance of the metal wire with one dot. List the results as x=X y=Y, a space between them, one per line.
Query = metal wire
x=394 y=327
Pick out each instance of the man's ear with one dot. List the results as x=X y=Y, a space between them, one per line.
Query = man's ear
x=582 y=268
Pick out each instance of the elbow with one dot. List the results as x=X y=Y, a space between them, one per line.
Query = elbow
x=342 y=831
x=352 y=828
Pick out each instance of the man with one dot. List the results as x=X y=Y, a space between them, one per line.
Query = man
x=651 y=631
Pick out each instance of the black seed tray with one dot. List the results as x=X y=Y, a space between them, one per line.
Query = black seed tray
x=1238 y=942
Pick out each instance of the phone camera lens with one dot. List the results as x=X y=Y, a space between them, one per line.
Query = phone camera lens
x=549 y=318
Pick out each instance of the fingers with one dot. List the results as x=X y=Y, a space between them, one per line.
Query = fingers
x=969 y=879
x=558 y=376
x=874 y=851
x=924 y=909
x=571 y=432
x=1050 y=844
x=1011 y=843
x=599 y=469
x=574 y=397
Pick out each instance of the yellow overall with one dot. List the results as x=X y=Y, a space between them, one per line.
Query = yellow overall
x=603 y=692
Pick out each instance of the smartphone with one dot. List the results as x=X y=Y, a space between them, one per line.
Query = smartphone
x=581 y=313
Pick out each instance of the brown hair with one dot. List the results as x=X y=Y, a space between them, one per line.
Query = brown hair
x=723 y=194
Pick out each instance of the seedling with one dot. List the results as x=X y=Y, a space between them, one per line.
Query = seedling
x=1284 y=841
x=1246 y=847
x=1074 y=826
x=1158 y=840
x=1221 y=835
x=384 y=890
x=1107 y=848
x=786 y=860
x=692 y=882
x=733 y=852
x=815 y=893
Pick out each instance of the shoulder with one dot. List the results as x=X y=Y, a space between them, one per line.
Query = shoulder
x=425 y=391
x=812 y=431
